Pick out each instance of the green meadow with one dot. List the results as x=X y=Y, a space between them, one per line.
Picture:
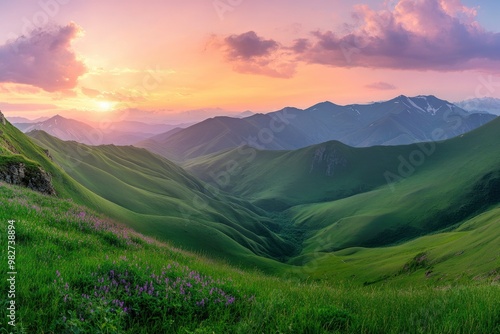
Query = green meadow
x=308 y=241
x=79 y=272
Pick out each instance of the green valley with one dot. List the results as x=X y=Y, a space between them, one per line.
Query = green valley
x=250 y=167
x=88 y=272
x=317 y=233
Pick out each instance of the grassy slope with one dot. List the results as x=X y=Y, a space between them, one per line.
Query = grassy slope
x=14 y=142
x=281 y=179
x=64 y=251
x=461 y=179
x=447 y=193
x=467 y=253
x=359 y=226
x=162 y=200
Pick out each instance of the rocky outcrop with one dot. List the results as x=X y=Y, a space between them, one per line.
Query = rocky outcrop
x=34 y=178
x=47 y=153
x=328 y=159
x=2 y=119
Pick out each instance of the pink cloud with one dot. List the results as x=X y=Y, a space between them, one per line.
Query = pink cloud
x=43 y=59
x=438 y=35
x=381 y=86
x=251 y=54
x=8 y=88
x=248 y=45
x=26 y=106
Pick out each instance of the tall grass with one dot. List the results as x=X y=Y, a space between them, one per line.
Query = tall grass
x=79 y=272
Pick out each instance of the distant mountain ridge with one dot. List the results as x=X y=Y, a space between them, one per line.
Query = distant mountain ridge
x=485 y=104
x=117 y=133
x=402 y=120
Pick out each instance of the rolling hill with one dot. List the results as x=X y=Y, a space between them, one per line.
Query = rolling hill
x=81 y=265
x=402 y=120
x=276 y=180
x=311 y=221
x=338 y=197
x=150 y=194
x=359 y=258
x=13 y=143
x=159 y=198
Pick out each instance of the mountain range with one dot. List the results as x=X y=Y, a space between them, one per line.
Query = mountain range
x=419 y=221
x=100 y=133
x=278 y=209
x=280 y=205
x=405 y=191
x=402 y=120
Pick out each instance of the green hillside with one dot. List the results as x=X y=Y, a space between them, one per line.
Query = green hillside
x=465 y=254
x=13 y=143
x=158 y=198
x=315 y=194
x=349 y=193
x=459 y=181
x=93 y=275
x=318 y=227
x=276 y=180
x=152 y=195
x=333 y=170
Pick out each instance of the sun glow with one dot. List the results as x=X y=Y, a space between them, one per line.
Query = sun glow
x=105 y=105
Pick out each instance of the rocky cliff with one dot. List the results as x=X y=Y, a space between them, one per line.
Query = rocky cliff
x=16 y=169
x=328 y=159
x=3 y=121
x=33 y=177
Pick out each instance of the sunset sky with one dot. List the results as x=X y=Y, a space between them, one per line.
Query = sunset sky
x=85 y=58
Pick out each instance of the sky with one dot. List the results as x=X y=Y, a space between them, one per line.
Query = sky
x=89 y=58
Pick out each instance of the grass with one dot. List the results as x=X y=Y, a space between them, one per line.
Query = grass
x=92 y=274
x=364 y=243
x=156 y=197
x=8 y=160
x=337 y=197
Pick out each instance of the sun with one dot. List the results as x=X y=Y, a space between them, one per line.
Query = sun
x=105 y=105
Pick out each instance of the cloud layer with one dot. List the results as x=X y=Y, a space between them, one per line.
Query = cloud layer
x=249 y=45
x=381 y=86
x=43 y=59
x=440 y=35
x=250 y=53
